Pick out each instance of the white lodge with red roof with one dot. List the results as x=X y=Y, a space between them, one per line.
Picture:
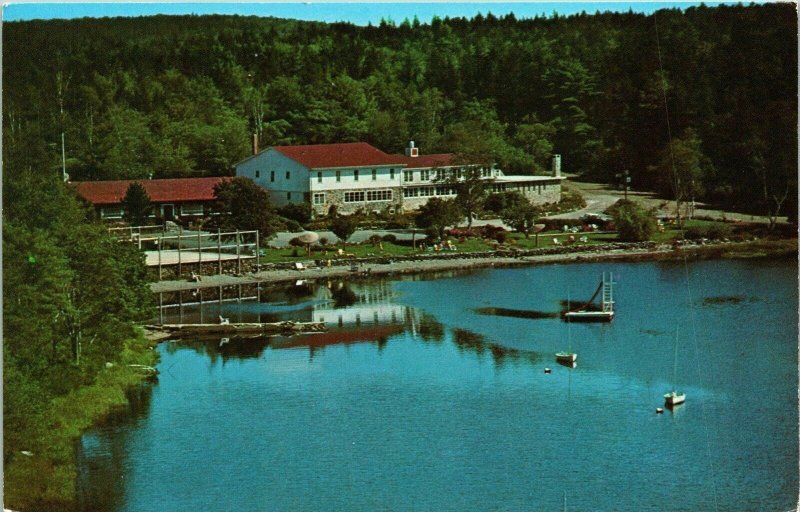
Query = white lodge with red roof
x=171 y=198
x=357 y=176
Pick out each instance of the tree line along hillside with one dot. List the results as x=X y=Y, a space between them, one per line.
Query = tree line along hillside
x=177 y=96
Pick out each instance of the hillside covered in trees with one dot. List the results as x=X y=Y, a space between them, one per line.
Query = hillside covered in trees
x=179 y=96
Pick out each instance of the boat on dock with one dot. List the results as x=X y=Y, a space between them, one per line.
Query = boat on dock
x=606 y=312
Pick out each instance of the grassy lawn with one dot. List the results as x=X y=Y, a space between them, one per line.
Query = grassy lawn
x=513 y=240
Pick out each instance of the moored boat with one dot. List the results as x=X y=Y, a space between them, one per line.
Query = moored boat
x=674 y=398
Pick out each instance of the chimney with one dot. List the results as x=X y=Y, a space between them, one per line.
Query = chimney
x=255 y=143
x=557 y=166
x=411 y=150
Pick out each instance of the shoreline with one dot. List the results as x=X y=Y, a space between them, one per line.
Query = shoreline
x=421 y=264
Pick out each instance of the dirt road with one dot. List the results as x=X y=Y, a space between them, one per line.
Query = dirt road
x=600 y=196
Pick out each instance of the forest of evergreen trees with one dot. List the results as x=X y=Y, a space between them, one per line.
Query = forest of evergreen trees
x=175 y=96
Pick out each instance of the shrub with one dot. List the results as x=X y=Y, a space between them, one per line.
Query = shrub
x=292 y=226
x=500 y=236
x=390 y=238
x=343 y=227
x=300 y=213
x=634 y=223
x=323 y=241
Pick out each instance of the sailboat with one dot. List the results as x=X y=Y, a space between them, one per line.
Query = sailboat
x=569 y=356
x=674 y=397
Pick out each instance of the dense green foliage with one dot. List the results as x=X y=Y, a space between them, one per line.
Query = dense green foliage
x=243 y=205
x=437 y=215
x=70 y=294
x=343 y=226
x=519 y=213
x=136 y=205
x=180 y=95
x=634 y=222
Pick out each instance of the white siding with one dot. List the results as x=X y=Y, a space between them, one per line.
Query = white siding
x=347 y=180
x=271 y=161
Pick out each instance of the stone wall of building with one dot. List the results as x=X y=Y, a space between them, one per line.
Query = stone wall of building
x=537 y=193
x=336 y=197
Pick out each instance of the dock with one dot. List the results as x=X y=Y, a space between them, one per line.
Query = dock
x=235 y=329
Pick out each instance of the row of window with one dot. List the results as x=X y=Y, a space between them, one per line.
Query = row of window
x=370 y=195
x=387 y=195
x=428 y=191
x=356 y=174
x=272 y=175
x=408 y=176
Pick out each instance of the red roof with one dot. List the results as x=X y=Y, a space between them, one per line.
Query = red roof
x=160 y=191
x=427 y=161
x=326 y=156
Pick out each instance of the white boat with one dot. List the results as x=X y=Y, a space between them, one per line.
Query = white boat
x=569 y=356
x=674 y=397
x=606 y=312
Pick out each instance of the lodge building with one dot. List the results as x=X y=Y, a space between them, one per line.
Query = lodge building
x=357 y=176
x=171 y=198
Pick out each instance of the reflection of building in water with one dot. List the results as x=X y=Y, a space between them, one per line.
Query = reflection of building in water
x=355 y=305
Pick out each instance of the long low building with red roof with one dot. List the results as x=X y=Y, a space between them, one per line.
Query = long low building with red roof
x=357 y=176
x=171 y=198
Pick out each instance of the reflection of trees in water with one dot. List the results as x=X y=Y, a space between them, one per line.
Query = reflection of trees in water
x=382 y=342
x=98 y=484
x=468 y=340
x=430 y=329
x=295 y=292
x=343 y=295
x=224 y=348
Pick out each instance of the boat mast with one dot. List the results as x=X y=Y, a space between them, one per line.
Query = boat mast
x=675 y=364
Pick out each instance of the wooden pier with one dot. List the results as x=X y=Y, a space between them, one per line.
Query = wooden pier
x=236 y=329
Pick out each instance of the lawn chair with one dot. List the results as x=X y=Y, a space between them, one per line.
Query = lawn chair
x=299 y=266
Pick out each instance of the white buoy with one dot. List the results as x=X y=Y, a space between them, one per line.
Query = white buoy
x=659 y=410
x=547 y=370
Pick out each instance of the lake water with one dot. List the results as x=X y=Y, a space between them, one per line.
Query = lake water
x=419 y=398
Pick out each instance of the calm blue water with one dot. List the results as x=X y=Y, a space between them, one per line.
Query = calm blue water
x=416 y=401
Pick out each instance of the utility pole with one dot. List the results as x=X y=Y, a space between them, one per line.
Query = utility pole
x=627 y=177
x=64 y=174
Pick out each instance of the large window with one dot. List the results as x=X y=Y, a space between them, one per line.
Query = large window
x=319 y=198
x=425 y=175
x=354 y=197
x=192 y=209
x=111 y=212
x=408 y=175
x=379 y=195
